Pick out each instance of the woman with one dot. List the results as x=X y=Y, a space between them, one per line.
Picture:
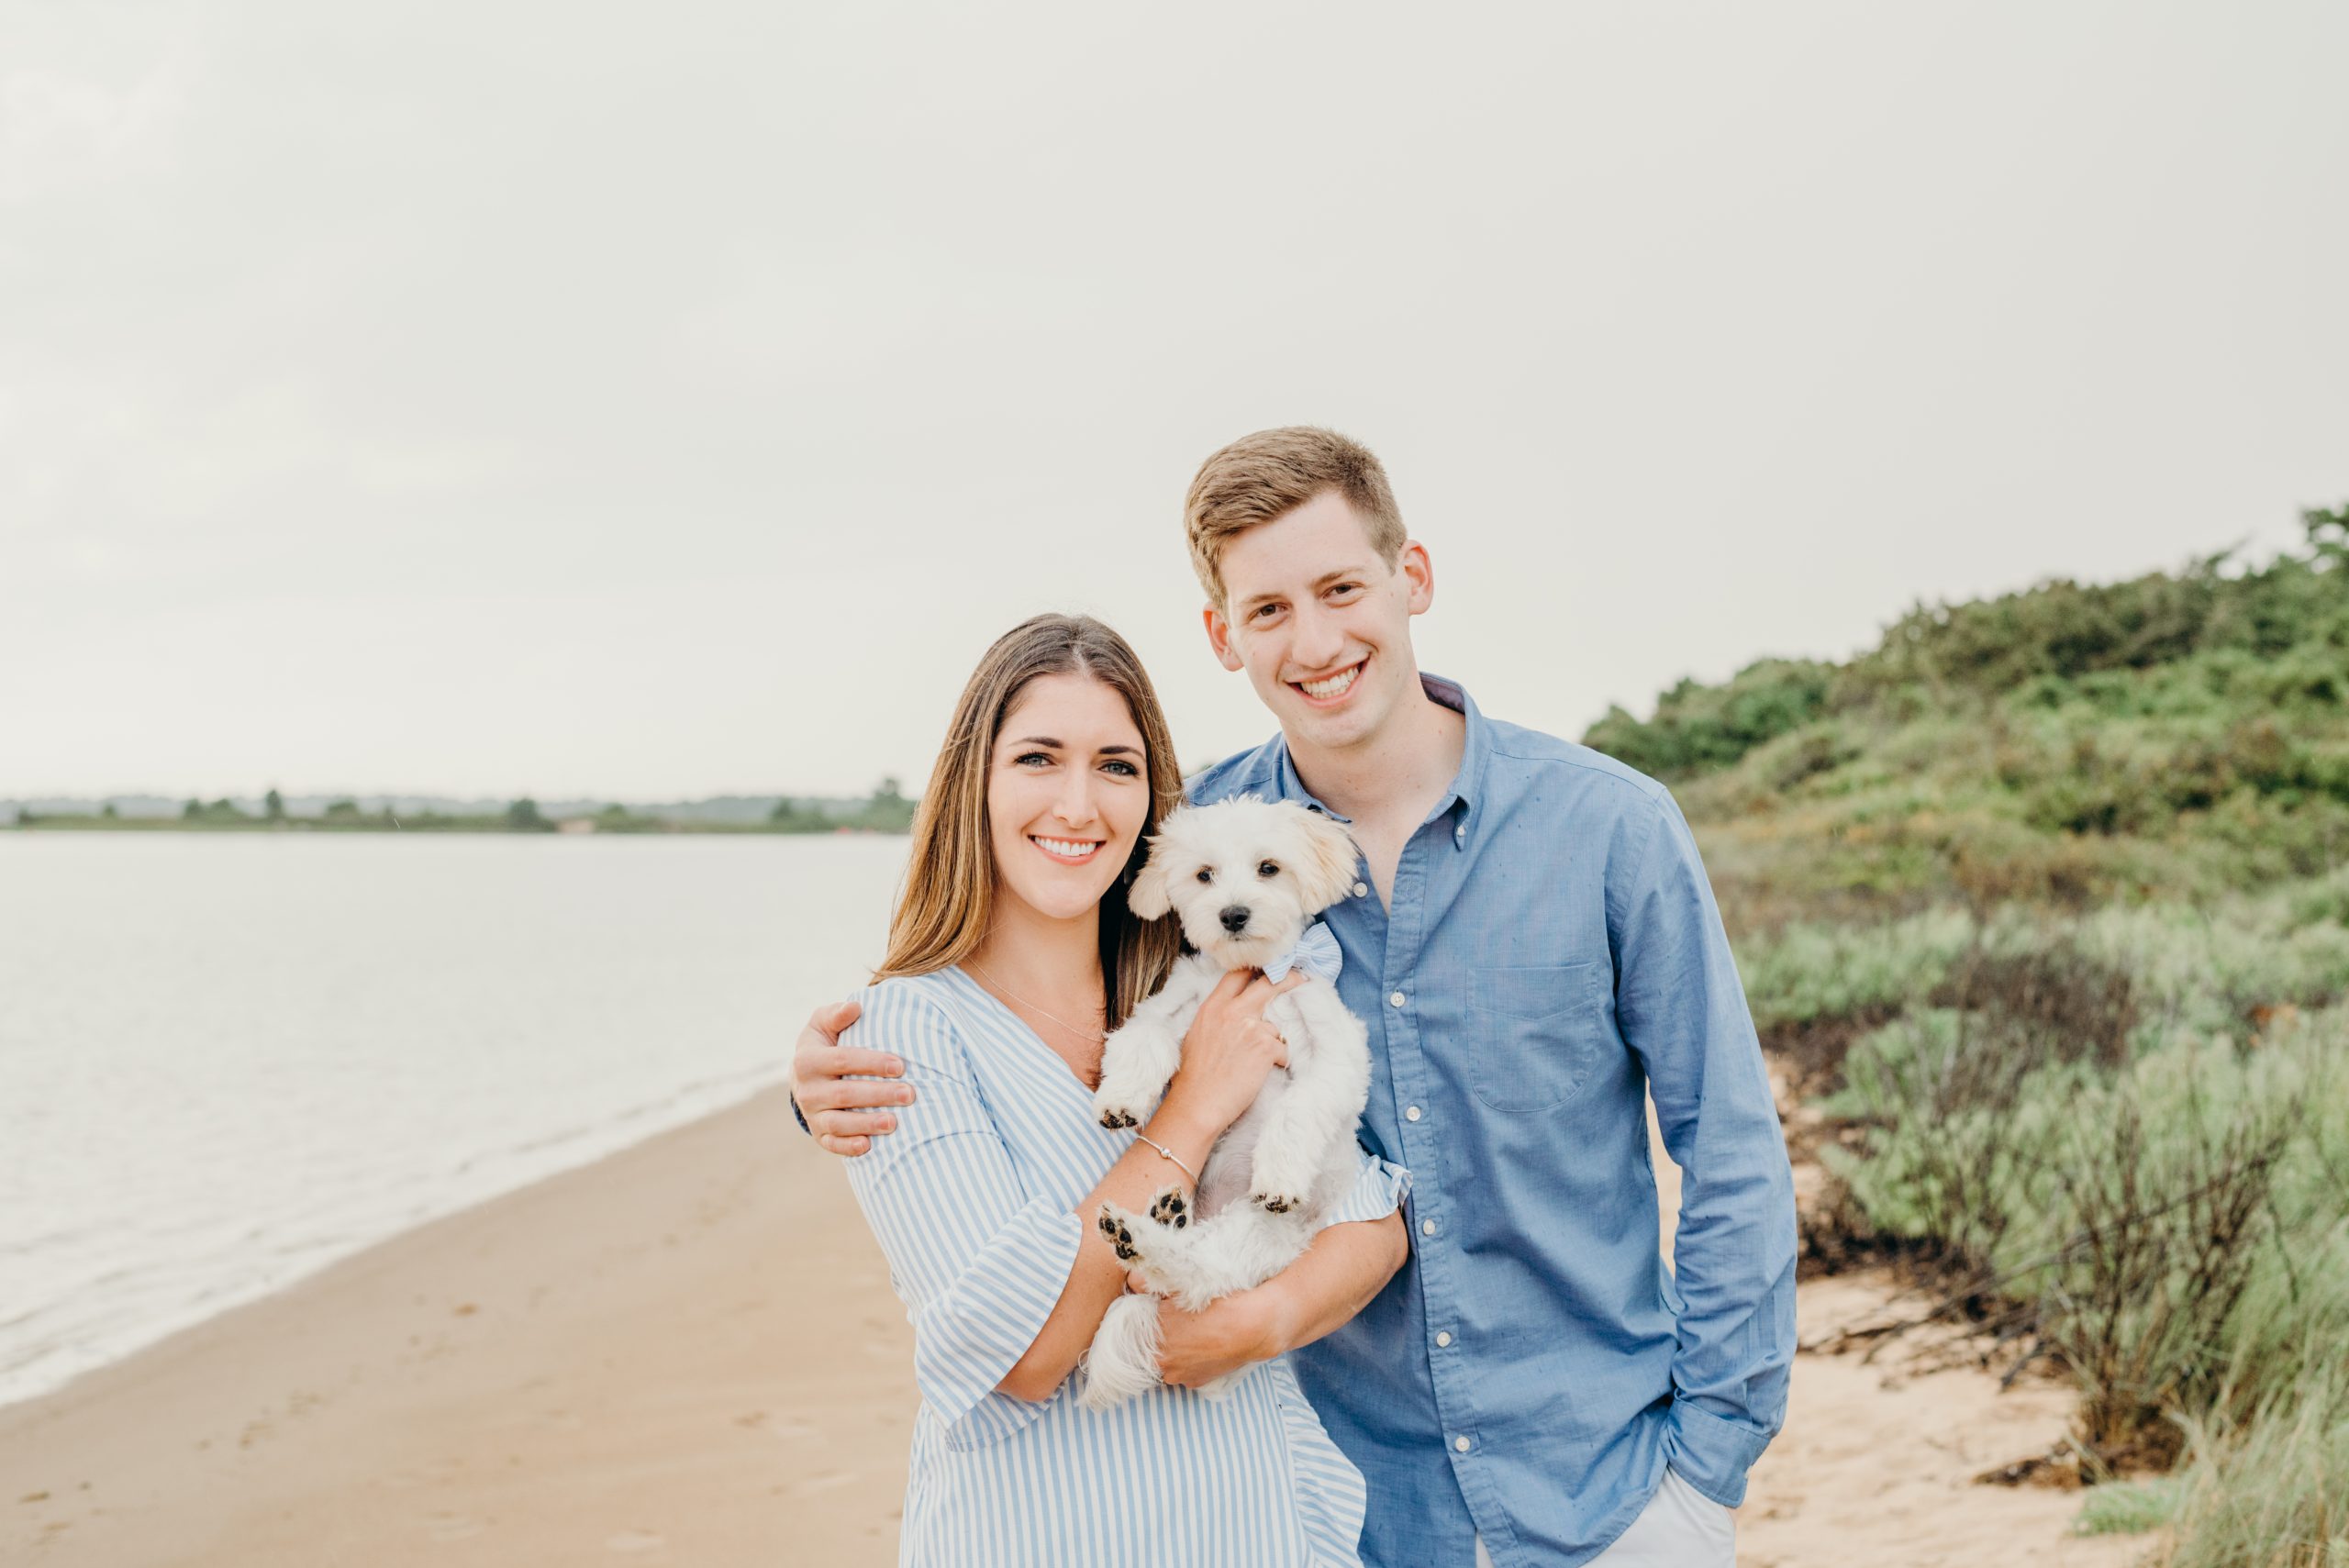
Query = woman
x=1012 y=954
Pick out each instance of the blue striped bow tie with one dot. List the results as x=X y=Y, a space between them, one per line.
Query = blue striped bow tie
x=1316 y=952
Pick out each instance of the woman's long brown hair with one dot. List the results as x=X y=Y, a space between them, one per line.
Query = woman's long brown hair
x=948 y=904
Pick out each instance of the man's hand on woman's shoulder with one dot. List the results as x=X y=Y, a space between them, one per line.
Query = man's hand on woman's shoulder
x=832 y=1083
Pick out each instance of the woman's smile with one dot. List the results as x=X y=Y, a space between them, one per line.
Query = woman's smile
x=1067 y=851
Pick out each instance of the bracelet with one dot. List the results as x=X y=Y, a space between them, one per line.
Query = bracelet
x=1145 y=1137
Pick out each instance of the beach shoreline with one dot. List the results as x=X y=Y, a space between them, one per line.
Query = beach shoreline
x=669 y=1353
x=688 y=1352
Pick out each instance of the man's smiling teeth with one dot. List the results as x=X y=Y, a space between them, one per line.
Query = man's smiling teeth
x=1066 y=849
x=1332 y=686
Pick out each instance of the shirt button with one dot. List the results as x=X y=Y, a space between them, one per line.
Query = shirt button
x=1396 y=999
x=1443 y=1339
x=1361 y=888
x=1411 y=1113
x=1427 y=1227
x=1460 y=1444
x=1461 y=832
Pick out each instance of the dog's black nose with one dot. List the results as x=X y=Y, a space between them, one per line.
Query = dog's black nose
x=1235 y=917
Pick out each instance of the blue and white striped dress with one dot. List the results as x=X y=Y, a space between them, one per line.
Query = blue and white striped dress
x=974 y=1198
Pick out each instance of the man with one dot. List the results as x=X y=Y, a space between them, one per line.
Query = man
x=1541 y=952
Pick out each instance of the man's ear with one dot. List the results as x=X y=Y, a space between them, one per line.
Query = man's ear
x=1147 y=897
x=1220 y=638
x=1420 y=573
x=1327 y=873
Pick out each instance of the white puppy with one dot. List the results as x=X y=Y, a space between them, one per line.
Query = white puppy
x=1247 y=877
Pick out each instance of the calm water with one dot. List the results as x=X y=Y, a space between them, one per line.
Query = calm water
x=226 y=1060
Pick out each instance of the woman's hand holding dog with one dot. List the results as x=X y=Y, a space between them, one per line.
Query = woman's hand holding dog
x=1196 y=1348
x=1229 y=1052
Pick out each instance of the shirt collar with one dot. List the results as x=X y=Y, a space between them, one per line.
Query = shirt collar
x=1468 y=784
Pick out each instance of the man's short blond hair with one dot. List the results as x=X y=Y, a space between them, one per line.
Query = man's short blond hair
x=1270 y=474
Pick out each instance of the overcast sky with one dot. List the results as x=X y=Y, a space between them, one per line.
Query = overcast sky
x=649 y=401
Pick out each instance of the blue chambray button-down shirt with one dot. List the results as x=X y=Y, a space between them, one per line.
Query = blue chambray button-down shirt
x=1553 y=951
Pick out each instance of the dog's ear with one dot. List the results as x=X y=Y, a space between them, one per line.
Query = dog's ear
x=1148 y=897
x=1327 y=872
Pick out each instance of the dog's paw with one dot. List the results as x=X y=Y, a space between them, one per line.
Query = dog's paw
x=1172 y=1208
x=1119 y=1233
x=1146 y=1247
x=1278 y=1183
x=1116 y=1105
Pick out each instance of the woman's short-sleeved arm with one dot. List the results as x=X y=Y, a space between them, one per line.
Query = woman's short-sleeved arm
x=1378 y=1191
x=978 y=1263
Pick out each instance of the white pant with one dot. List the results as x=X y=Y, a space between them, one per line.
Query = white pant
x=1680 y=1527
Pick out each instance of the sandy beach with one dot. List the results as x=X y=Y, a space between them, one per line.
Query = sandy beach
x=688 y=1353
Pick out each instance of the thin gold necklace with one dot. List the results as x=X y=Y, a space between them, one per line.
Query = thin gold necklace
x=1095 y=1036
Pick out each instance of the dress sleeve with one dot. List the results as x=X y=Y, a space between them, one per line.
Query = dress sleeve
x=1378 y=1191
x=979 y=1263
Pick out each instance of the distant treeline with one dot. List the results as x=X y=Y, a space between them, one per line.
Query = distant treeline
x=2213 y=642
x=885 y=810
x=2177 y=735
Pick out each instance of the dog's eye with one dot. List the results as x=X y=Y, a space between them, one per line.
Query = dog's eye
x=1268 y=869
x=1206 y=876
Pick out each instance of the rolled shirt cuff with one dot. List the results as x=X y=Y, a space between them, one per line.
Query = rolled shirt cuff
x=1712 y=1452
x=1378 y=1191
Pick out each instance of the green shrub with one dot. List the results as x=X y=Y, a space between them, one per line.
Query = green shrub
x=2326 y=900
x=2164 y=1208
x=2170 y=1228
x=1811 y=971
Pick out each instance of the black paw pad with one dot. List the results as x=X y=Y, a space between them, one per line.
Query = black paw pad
x=1122 y=1239
x=1114 y=1119
x=1275 y=1204
x=1170 y=1209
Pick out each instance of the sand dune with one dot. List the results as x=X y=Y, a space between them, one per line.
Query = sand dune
x=688 y=1353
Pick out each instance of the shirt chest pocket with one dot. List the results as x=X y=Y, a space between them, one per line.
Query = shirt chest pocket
x=1538 y=1034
